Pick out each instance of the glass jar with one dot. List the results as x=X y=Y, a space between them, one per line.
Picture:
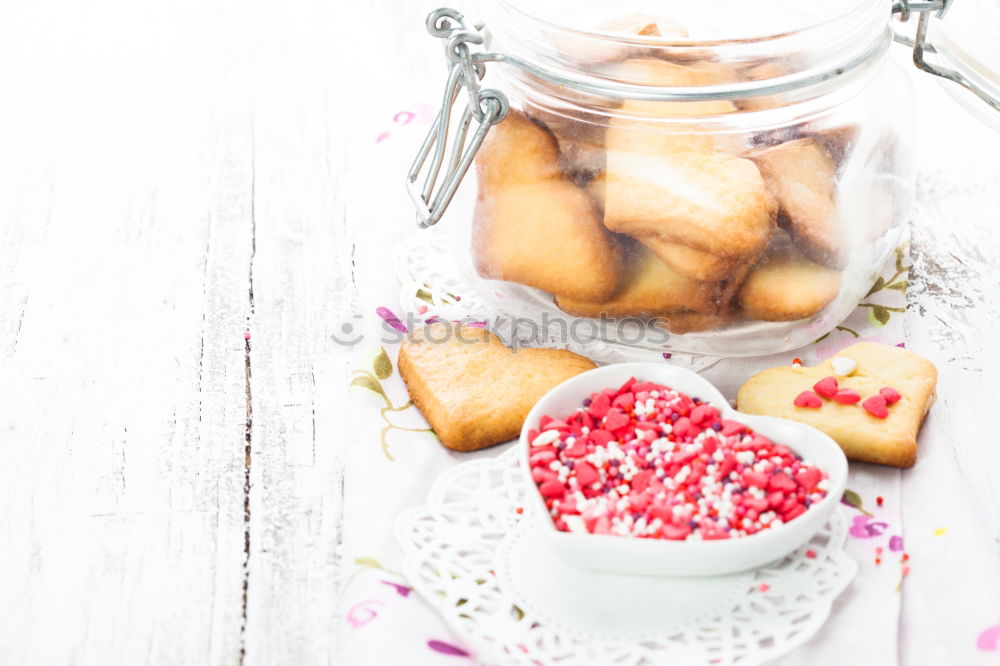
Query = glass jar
x=724 y=178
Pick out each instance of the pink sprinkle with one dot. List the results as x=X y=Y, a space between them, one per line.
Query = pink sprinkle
x=382 y=137
x=890 y=394
x=808 y=399
x=811 y=553
x=763 y=587
x=875 y=406
x=826 y=387
x=847 y=397
x=246 y=335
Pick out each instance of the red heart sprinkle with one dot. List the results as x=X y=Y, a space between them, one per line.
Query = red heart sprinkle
x=847 y=396
x=781 y=481
x=586 y=474
x=875 y=406
x=552 y=488
x=826 y=387
x=627 y=386
x=624 y=400
x=702 y=413
x=808 y=399
x=615 y=419
x=732 y=427
x=808 y=478
x=599 y=406
x=891 y=395
x=671 y=531
x=641 y=480
x=599 y=437
x=752 y=478
x=794 y=513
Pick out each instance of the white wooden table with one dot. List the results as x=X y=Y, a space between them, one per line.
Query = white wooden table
x=187 y=206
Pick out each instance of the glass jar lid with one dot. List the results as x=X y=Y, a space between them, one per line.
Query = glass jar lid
x=811 y=42
x=792 y=43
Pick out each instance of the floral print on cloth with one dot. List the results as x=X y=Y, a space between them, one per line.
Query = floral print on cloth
x=395 y=456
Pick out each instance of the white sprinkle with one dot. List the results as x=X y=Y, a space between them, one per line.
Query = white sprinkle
x=546 y=438
x=843 y=365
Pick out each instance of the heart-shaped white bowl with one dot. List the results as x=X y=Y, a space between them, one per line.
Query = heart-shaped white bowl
x=664 y=557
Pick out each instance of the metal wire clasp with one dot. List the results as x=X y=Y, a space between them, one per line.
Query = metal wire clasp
x=486 y=106
x=921 y=46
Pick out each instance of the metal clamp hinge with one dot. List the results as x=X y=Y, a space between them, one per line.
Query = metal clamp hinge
x=486 y=107
x=921 y=46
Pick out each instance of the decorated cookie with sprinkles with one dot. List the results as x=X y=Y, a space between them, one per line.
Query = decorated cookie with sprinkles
x=870 y=398
x=644 y=460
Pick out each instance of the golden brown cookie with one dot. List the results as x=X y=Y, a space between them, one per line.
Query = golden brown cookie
x=650 y=287
x=531 y=224
x=801 y=175
x=666 y=179
x=691 y=263
x=863 y=435
x=785 y=286
x=581 y=142
x=639 y=116
x=711 y=202
x=473 y=390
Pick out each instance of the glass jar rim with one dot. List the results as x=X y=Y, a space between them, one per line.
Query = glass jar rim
x=558 y=53
x=673 y=40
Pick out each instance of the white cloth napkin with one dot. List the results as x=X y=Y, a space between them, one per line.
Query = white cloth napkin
x=391 y=462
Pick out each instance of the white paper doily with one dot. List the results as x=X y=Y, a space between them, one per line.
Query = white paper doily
x=470 y=554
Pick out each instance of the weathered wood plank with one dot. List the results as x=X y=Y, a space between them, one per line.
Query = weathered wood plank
x=124 y=255
x=302 y=285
